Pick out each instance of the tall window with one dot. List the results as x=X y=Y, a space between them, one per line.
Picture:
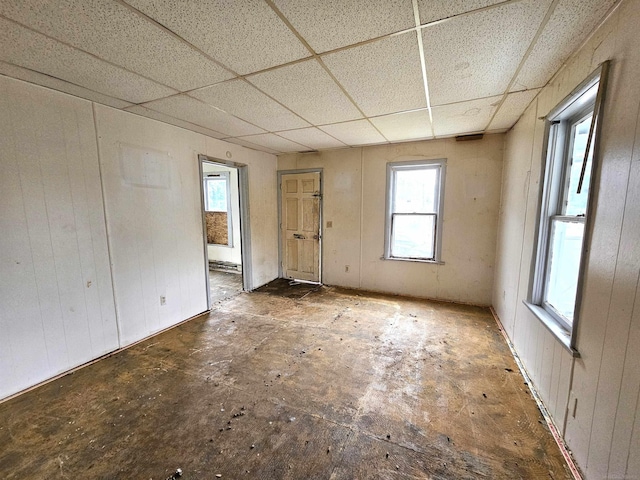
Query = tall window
x=414 y=210
x=564 y=212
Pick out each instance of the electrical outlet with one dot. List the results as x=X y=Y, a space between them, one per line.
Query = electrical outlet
x=163 y=300
x=346 y=268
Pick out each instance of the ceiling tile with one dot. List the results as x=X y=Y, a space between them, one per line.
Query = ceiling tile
x=116 y=33
x=331 y=24
x=569 y=25
x=432 y=10
x=512 y=108
x=60 y=85
x=274 y=142
x=307 y=89
x=245 y=101
x=383 y=76
x=246 y=36
x=34 y=51
x=464 y=117
x=312 y=137
x=194 y=111
x=146 y=112
x=359 y=132
x=253 y=146
x=399 y=127
x=475 y=56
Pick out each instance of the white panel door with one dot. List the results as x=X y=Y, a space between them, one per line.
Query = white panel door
x=300 y=216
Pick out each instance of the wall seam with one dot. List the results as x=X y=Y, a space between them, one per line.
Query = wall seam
x=106 y=224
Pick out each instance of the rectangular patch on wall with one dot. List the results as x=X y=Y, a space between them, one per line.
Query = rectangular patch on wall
x=144 y=167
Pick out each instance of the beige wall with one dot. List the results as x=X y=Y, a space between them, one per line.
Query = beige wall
x=354 y=183
x=604 y=383
x=76 y=177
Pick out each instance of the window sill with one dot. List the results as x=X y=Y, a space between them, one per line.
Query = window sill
x=416 y=260
x=558 y=331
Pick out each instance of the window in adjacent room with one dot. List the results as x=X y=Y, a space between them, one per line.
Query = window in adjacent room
x=415 y=193
x=564 y=212
x=216 y=205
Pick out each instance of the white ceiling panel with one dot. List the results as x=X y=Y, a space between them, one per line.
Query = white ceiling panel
x=464 y=117
x=569 y=25
x=512 y=108
x=246 y=36
x=312 y=137
x=400 y=127
x=331 y=24
x=382 y=77
x=115 y=33
x=475 y=56
x=244 y=143
x=194 y=111
x=34 y=51
x=358 y=132
x=432 y=10
x=245 y=101
x=146 y=112
x=307 y=89
x=60 y=85
x=274 y=142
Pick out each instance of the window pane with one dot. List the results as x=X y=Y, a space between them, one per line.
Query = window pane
x=577 y=203
x=413 y=236
x=415 y=191
x=216 y=194
x=564 y=264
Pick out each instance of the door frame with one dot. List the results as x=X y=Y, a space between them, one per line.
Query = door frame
x=245 y=226
x=320 y=219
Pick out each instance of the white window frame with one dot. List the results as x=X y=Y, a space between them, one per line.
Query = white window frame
x=217 y=176
x=586 y=99
x=393 y=167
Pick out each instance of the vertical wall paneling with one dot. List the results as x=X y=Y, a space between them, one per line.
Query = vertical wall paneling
x=57 y=279
x=56 y=300
x=152 y=198
x=594 y=398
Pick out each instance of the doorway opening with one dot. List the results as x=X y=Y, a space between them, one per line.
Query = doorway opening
x=300 y=215
x=225 y=227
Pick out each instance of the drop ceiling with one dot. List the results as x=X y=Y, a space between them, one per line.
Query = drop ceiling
x=286 y=76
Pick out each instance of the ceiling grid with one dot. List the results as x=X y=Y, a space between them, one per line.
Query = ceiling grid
x=282 y=76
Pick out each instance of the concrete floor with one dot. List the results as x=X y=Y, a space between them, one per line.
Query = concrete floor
x=324 y=384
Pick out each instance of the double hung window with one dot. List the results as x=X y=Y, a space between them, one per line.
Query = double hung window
x=414 y=210
x=564 y=211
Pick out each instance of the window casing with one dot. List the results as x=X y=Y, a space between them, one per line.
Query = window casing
x=570 y=160
x=415 y=194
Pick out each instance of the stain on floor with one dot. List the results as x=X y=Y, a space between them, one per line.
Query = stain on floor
x=336 y=384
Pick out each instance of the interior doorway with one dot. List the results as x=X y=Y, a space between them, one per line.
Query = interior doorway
x=224 y=199
x=300 y=200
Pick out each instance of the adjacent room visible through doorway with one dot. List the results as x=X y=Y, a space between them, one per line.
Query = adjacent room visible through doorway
x=222 y=223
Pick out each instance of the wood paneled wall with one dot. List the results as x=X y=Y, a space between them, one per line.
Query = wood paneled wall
x=100 y=217
x=56 y=298
x=594 y=399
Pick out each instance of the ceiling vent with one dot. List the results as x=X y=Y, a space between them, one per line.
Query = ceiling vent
x=466 y=138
